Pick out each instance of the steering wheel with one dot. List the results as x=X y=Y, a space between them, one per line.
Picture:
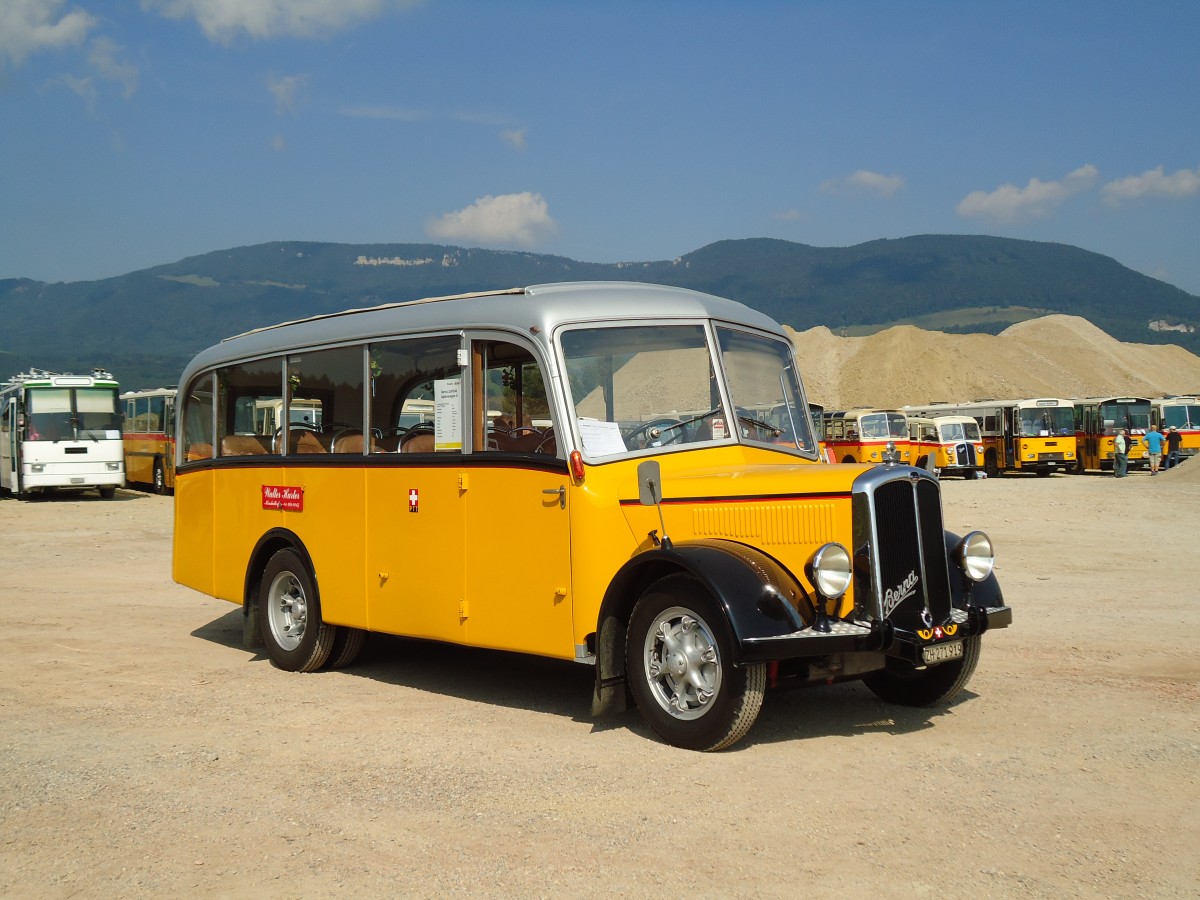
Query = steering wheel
x=640 y=437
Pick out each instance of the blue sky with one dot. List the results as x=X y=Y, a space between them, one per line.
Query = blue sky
x=137 y=132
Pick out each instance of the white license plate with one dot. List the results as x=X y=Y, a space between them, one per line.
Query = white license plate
x=942 y=652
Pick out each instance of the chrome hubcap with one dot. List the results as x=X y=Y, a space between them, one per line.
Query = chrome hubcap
x=287 y=610
x=682 y=666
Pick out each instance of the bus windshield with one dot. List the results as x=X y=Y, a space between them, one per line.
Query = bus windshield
x=880 y=426
x=1048 y=421
x=638 y=387
x=1133 y=416
x=72 y=413
x=960 y=431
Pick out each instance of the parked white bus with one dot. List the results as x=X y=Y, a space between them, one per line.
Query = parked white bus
x=60 y=432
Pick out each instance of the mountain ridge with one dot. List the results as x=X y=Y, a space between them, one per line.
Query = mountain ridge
x=145 y=325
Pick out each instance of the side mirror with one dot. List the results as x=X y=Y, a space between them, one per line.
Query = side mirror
x=649 y=483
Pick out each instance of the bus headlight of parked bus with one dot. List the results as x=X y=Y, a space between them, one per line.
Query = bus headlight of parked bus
x=975 y=556
x=829 y=570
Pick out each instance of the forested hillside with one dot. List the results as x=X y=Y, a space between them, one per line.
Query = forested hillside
x=144 y=326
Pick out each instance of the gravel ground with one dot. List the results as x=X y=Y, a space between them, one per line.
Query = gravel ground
x=145 y=753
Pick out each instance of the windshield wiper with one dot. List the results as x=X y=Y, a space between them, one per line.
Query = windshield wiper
x=765 y=426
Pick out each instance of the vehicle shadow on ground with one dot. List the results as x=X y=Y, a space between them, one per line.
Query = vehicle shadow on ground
x=564 y=688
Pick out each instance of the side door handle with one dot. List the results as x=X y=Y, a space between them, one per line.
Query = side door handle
x=562 y=495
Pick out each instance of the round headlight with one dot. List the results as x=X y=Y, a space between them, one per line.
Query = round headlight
x=830 y=570
x=975 y=556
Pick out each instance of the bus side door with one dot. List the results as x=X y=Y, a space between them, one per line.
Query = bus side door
x=518 y=561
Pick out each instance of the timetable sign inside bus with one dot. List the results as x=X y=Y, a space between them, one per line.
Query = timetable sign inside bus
x=288 y=499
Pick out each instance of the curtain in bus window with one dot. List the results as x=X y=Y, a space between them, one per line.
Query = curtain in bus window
x=48 y=412
x=97 y=412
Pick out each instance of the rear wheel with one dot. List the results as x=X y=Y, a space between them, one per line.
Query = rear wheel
x=903 y=683
x=290 y=612
x=346 y=647
x=679 y=665
x=108 y=493
x=990 y=466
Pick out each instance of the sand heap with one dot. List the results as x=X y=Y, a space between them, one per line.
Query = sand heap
x=1054 y=356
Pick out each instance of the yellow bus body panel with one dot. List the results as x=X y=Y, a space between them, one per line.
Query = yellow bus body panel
x=499 y=556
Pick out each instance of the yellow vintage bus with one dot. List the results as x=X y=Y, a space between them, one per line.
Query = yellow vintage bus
x=1034 y=434
x=1097 y=420
x=591 y=487
x=867 y=435
x=947 y=445
x=1182 y=414
x=149 y=436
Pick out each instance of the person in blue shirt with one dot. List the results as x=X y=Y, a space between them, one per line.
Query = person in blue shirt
x=1154 y=447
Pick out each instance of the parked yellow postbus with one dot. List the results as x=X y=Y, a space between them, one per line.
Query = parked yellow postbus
x=947 y=445
x=589 y=489
x=1035 y=434
x=1182 y=414
x=149 y=435
x=1097 y=420
x=867 y=435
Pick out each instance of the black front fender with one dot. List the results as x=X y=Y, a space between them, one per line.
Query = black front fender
x=760 y=600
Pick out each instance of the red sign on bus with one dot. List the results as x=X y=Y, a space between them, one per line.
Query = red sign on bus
x=288 y=499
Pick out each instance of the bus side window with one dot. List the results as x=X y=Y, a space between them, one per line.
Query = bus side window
x=406 y=376
x=249 y=408
x=198 y=420
x=513 y=413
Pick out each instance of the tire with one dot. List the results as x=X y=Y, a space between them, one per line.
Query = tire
x=160 y=478
x=904 y=684
x=1043 y=473
x=107 y=493
x=990 y=466
x=346 y=647
x=678 y=661
x=290 y=615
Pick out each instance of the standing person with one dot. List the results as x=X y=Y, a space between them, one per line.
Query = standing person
x=1120 y=454
x=1174 y=442
x=1154 y=447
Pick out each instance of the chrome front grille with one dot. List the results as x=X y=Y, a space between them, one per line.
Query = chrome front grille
x=901 y=570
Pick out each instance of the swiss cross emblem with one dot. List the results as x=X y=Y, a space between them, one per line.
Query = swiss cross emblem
x=938 y=634
x=413 y=498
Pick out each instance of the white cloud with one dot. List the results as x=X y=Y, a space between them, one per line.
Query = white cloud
x=513 y=219
x=1038 y=199
x=104 y=59
x=223 y=20
x=29 y=26
x=514 y=137
x=286 y=90
x=278 y=144
x=865 y=182
x=1153 y=183
x=788 y=215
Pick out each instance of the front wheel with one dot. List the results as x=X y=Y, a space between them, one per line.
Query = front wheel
x=107 y=493
x=679 y=664
x=903 y=683
x=290 y=612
